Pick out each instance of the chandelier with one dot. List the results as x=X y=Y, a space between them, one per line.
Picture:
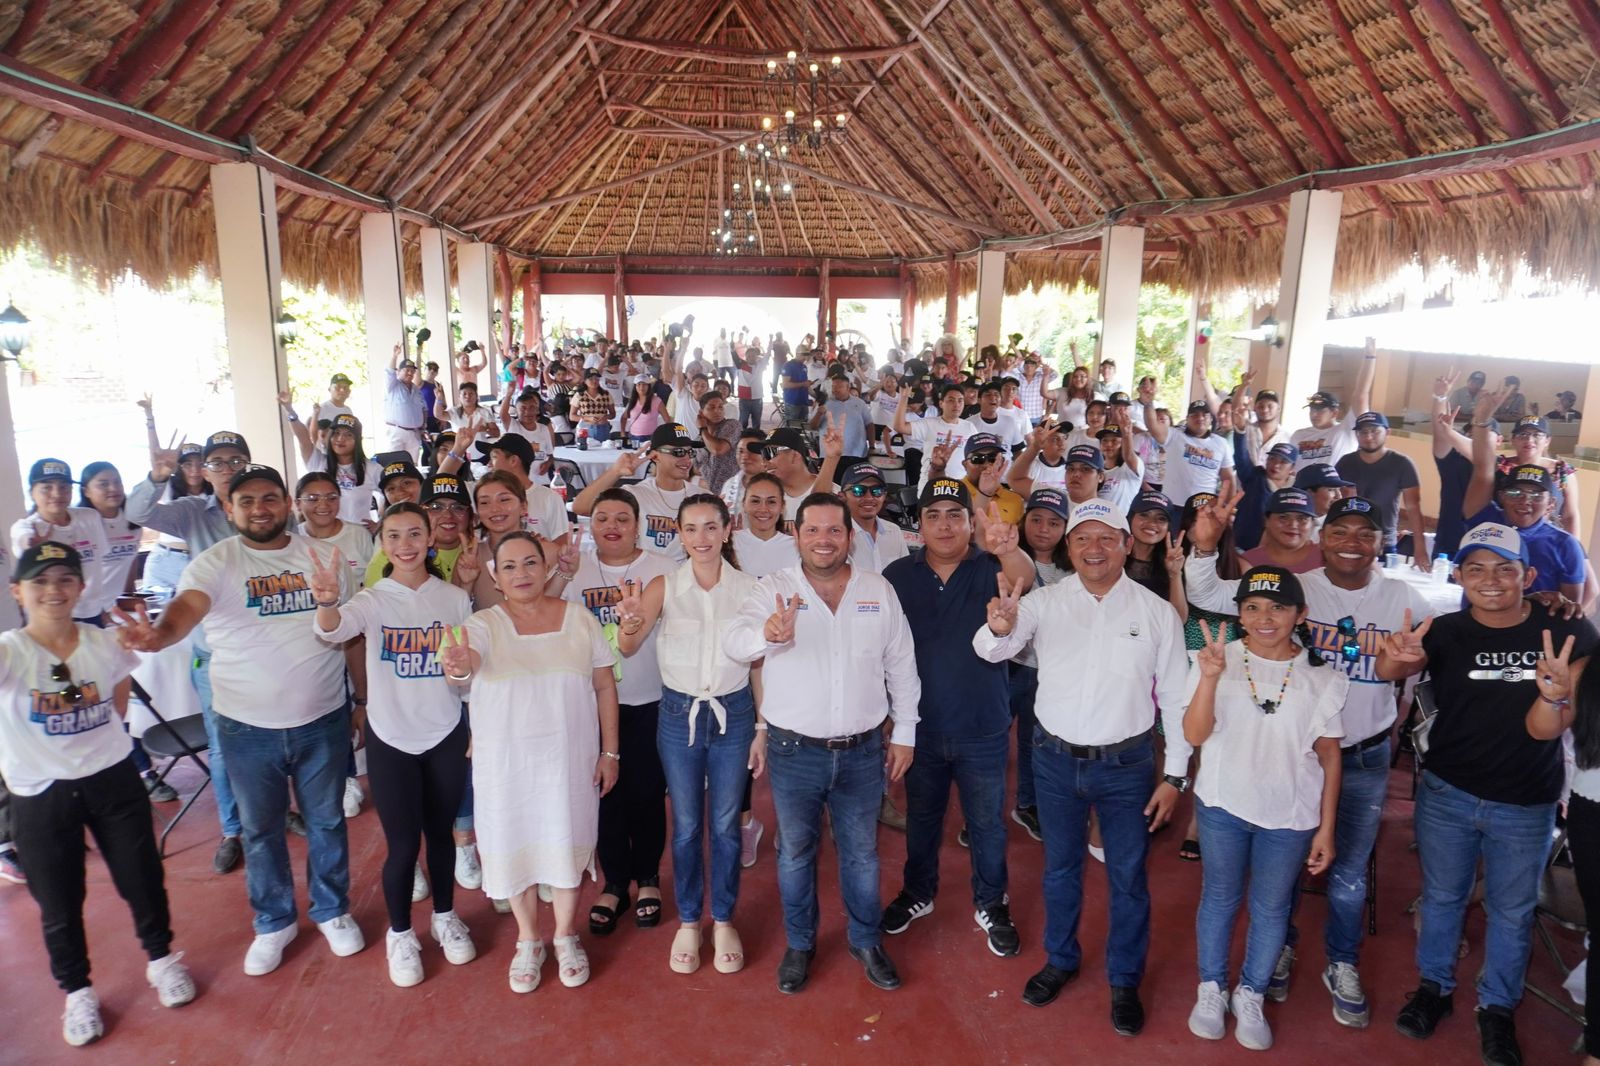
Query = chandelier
x=804 y=90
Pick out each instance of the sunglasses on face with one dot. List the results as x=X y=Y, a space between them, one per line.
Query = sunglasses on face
x=216 y=466
x=1534 y=495
x=983 y=458
x=314 y=498
x=676 y=452
x=772 y=451
x=875 y=491
x=73 y=694
x=1349 y=646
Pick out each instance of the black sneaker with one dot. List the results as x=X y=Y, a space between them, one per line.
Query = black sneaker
x=1028 y=818
x=1425 y=1009
x=995 y=920
x=1497 y=1037
x=228 y=855
x=297 y=824
x=159 y=791
x=902 y=911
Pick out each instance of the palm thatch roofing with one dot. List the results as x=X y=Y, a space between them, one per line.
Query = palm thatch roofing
x=566 y=130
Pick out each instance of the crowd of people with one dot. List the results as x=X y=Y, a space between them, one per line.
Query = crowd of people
x=922 y=572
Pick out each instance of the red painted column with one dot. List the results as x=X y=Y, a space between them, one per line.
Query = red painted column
x=619 y=284
x=952 y=291
x=611 y=313
x=502 y=264
x=908 y=305
x=824 y=317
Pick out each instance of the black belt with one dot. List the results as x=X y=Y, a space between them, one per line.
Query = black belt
x=831 y=743
x=1091 y=751
x=408 y=429
x=1371 y=742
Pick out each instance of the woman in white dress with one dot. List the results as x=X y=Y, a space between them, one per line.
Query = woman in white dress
x=544 y=750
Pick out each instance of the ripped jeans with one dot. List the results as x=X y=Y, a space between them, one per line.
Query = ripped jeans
x=1364 y=787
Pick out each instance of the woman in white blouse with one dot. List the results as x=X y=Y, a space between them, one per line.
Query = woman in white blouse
x=709 y=734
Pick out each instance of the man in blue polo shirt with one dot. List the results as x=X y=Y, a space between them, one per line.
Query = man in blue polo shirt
x=965 y=726
x=796 y=394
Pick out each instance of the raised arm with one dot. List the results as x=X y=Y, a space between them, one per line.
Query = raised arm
x=639 y=611
x=1152 y=424
x=1480 y=490
x=297 y=427
x=1362 y=400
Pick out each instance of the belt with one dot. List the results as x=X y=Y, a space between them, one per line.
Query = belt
x=170 y=548
x=408 y=429
x=1371 y=742
x=831 y=743
x=1092 y=751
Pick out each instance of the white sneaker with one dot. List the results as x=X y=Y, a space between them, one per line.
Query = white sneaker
x=266 y=951
x=450 y=933
x=749 y=838
x=352 y=797
x=419 y=886
x=343 y=935
x=1250 y=1028
x=1208 y=1019
x=405 y=958
x=469 y=874
x=526 y=964
x=81 y=1023
x=501 y=906
x=170 y=978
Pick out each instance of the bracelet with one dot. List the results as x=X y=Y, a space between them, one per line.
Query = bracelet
x=319 y=603
x=632 y=625
x=359 y=703
x=1480 y=425
x=1201 y=553
x=761 y=727
x=611 y=755
x=1562 y=704
x=1442 y=399
x=293 y=417
x=464 y=677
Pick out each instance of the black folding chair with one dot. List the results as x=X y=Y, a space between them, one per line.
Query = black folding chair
x=175 y=740
x=571 y=473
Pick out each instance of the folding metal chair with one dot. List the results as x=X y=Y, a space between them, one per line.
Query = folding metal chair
x=1559 y=905
x=571 y=473
x=175 y=740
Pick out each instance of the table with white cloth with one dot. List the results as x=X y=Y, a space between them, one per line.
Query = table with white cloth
x=165 y=675
x=593 y=461
x=1442 y=597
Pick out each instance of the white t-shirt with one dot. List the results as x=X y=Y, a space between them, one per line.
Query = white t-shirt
x=354 y=544
x=84 y=531
x=1260 y=445
x=355 y=501
x=929 y=433
x=410 y=705
x=480 y=417
x=1194 y=464
x=594 y=586
x=874 y=553
x=122 y=548
x=616 y=383
x=268 y=669
x=1324 y=445
x=547 y=513
x=1046 y=476
x=758 y=557
x=1261 y=767
x=884 y=406
x=1005 y=427
x=1120 y=487
x=44 y=738
x=539 y=436
x=658 y=515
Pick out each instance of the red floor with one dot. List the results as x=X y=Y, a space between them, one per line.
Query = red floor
x=959 y=1004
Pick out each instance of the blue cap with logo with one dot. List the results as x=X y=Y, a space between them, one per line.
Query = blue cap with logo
x=1354 y=507
x=859 y=472
x=1151 y=500
x=1285 y=451
x=1052 y=500
x=981 y=442
x=1320 y=476
x=1371 y=418
x=1291 y=501
x=1088 y=455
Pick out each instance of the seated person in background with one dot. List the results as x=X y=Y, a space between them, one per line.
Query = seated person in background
x=1564 y=411
x=1512 y=403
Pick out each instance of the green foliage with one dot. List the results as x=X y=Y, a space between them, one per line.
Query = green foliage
x=332 y=337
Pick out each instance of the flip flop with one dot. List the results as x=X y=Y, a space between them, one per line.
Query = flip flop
x=685 y=957
x=1189 y=850
x=729 y=957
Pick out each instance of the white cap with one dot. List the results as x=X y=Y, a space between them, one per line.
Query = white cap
x=1097 y=510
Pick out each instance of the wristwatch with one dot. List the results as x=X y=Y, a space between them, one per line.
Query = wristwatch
x=1179 y=783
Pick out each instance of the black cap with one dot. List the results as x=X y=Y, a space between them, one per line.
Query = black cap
x=669 y=434
x=255 y=472
x=445 y=487
x=188 y=448
x=1353 y=506
x=1199 y=407
x=945 y=488
x=1267 y=394
x=782 y=437
x=49 y=470
x=41 y=557
x=1528 y=474
x=397 y=470
x=512 y=444
x=340 y=379
x=1531 y=422
x=1322 y=399
x=861 y=472
x=224 y=438
x=344 y=421
x=1119 y=399
x=1271 y=582
x=1150 y=500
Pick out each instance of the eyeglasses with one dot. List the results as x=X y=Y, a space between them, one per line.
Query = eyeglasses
x=676 y=453
x=314 y=498
x=216 y=466
x=983 y=458
x=875 y=491
x=1349 y=645
x=1524 y=494
x=73 y=693
x=446 y=507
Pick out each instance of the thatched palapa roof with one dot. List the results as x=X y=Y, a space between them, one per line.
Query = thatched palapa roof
x=1461 y=130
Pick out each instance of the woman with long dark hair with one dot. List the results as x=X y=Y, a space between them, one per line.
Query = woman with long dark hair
x=643 y=411
x=341 y=454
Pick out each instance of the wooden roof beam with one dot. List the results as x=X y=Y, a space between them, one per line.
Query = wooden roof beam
x=108 y=62
x=1500 y=19
x=1239 y=33
x=314 y=37
x=717 y=53
x=716 y=81
x=32 y=18
x=1286 y=63
x=154 y=52
x=1588 y=21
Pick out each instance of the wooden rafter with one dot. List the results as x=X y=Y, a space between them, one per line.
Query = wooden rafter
x=723 y=54
x=1285 y=60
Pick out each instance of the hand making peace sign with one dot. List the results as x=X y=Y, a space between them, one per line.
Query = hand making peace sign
x=455 y=655
x=468 y=565
x=1555 y=671
x=135 y=631
x=631 y=605
x=325 y=585
x=780 y=624
x=995 y=535
x=1404 y=645
x=1212 y=658
x=1002 y=610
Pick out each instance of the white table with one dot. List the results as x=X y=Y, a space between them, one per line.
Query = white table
x=1442 y=598
x=165 y=675
x=593 y=462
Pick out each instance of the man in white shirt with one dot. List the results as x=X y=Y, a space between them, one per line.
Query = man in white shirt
x=838 y=667
x=1111 y=654
x=280 y=702
x=1264 y=427
x=1107 y=382
x=1197 y=460
x=1034 y=389
x=336 y=403
x=467 y=414
x=671 y=449
x=992 y=418
x=404 y=412
x=1330 y=438
x=939 y=438
x=1351 y=610
x=875 y=542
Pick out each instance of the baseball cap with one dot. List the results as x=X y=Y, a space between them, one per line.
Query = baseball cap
x=1273 y=583
x=1150 y=500
x=1097 y=510
x=350 y=422
x=1198 y=407
x=41 y=557
x=782 y=437
x=1291 y=501
x=1285 y=451
x=445 y=486
x=1353 y=506
x=1320 y=476
x=1087 y=454
x=187 y=449
x=530 y=393
x=1051 y=500
x=255 y=472
x=1528 y=474
x=512 y=444
x=1267 y=394
x=945 y=488
x=408 y=364
x=224 y=439
x=1372 y=418
x=1531 y=423
x=392 y=471
x=340 y=379
x=860 y=472
x=1477 y=375
x=981 y=442
x=1492 y=536
x=1109 y=431
x=1322 y=398
x=1119 y=399
x=668 y=434
x=49 y=470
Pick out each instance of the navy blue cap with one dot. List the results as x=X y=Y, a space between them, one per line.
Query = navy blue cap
x=1356 y=506
x=1087 y=454
x=1291 y=501
x=1150 y=501
x=1372 y=418
x=1531 y=422
x=1052 y=500
x=1285 y=451
x=1320 y=476
x=860 y=472
x=981 y=442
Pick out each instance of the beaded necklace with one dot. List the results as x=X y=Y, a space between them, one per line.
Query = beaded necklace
x=1267 y=706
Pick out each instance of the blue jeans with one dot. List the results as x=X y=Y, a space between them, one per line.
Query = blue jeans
x=1024 y=689
x=227 y=808
x=599 y=432
x=710 y=774
x=850 y=784
x=977 y=766
x=1117 y=787
x=1453 y=829
x=261 y=763
x=1240 y=854
x=1362 y=790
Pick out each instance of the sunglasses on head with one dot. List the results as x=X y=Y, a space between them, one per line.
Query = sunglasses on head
x=1349 y=645
x=983 y=458
x=875 y=491
x=60 y=673
x=676 y=451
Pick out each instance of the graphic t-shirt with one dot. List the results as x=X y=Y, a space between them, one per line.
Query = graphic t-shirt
x=355 y=501
x=84 y=531
x=46 y=737
x=1483 y=685
x=658 y=516
x=1194 y=464
x=122 y=548
x=1324 y=445
x=594 y=587
x=268 y=668
x=1556 y=555
x=930 y=433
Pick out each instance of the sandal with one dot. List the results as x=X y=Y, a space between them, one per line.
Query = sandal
x=685 y=956
x=572 y=962
x=1189 y=850
x=603 y=919
x=729 y=956
x=647 y=911
x=526 y=964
